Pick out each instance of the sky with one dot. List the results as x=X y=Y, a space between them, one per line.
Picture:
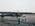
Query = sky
x=20 y=5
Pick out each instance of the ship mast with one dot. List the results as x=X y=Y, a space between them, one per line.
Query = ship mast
x=17 y=16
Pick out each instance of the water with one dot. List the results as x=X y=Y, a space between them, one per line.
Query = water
x=29 y=18
x=11 y=23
